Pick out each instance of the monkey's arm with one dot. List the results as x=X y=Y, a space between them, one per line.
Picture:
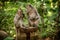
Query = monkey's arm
x=37 y=20
x=16 y=20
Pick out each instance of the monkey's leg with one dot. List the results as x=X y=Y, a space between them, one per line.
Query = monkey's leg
x=28 y=36
x=17 y=34
x=22 y=36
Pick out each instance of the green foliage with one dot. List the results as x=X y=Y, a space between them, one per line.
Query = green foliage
x=46 y=8
x=8 y=38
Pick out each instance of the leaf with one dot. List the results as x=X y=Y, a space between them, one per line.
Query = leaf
x=8 y=38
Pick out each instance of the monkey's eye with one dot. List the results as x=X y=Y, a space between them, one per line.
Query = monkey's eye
x=33 y=19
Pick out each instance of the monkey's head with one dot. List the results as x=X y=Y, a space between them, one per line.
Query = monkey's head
x=20 y=12
x=29 y=8
x=31 y=11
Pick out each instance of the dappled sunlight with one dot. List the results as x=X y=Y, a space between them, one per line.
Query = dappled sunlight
x=51 y=5
x=49 y=13
x=11 y=32
x=14 y=35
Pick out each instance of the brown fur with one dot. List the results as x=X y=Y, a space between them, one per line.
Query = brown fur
x=33 y=16
x=18 y=21
x=3 y=35
x=33 y=19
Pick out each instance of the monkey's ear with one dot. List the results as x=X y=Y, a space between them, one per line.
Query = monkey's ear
x=30 y=6
x=23 y=15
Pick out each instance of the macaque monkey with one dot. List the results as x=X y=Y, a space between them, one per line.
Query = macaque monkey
x=18 y=21
x=33 y=19
x=33 y=16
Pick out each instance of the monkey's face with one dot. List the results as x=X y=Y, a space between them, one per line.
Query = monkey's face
x=28 y=7
x=31 y=11
x=20 y=13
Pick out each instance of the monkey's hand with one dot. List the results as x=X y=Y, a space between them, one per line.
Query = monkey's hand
x=31 y=29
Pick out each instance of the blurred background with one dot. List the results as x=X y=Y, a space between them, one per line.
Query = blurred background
x=48 y=10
